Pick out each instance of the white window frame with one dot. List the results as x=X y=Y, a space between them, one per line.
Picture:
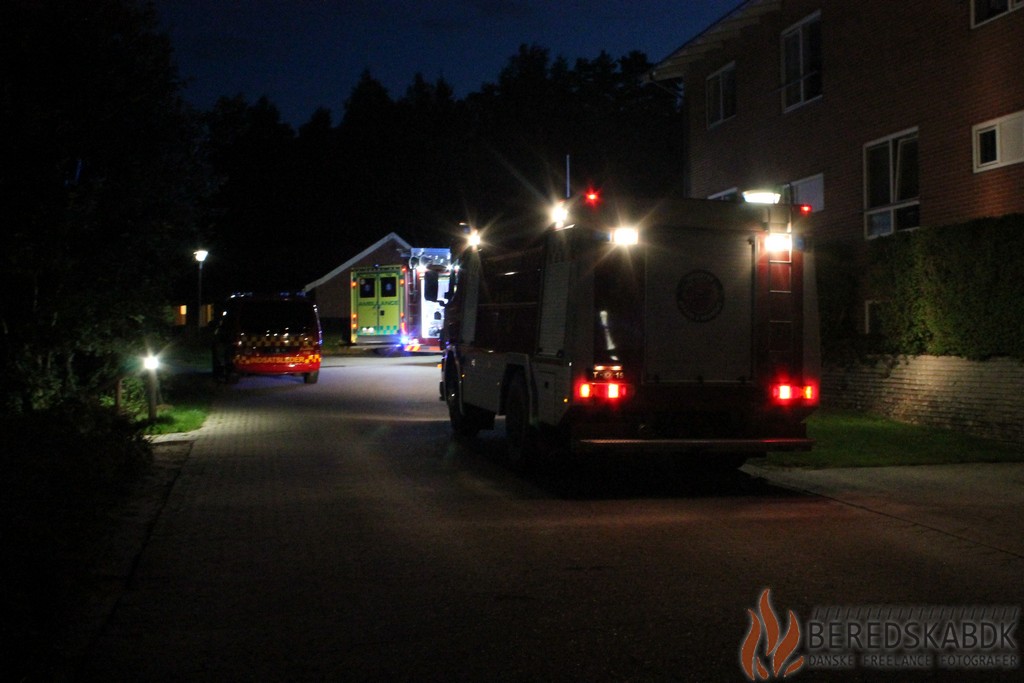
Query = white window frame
x=817 y=183
x=1011 y=5
x=894 y=205
x=722 y=116
x=802 y=80
x=1009 y=135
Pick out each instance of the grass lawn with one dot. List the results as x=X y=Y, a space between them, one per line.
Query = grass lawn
x=854 y=439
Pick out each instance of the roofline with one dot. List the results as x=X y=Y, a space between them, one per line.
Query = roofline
x=352 y=261
x=712 y=38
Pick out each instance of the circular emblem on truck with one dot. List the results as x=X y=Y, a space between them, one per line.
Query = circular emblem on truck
x=700 y=296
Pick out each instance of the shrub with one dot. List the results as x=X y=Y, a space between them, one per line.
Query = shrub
x=954 y=290
x=61 y=471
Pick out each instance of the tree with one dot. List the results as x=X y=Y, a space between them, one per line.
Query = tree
x=97 y=186
x=252 y=210
x=422 y=163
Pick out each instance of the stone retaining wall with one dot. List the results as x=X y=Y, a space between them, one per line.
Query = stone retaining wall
x=981 y=397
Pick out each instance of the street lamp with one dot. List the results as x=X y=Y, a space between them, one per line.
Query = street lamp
x=200 y=255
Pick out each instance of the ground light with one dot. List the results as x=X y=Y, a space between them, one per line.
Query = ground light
x=151 y=363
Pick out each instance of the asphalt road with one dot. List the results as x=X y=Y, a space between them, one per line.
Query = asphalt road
x=334 y=532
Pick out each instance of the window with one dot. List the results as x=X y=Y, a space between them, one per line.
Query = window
x=809 y=191
x=983 y=10
x=999 y=142
x=801 y=62
x=891 y=193
x=721 y=93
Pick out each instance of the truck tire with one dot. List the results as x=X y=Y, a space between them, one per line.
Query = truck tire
x=466 y=420
x=311 y=377
x=520 y=433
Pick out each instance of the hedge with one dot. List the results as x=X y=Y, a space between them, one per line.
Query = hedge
x=955 y=290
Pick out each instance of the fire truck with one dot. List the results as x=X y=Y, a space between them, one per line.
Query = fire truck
x=669 y=327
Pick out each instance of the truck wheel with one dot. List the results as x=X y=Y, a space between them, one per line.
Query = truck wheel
x=465 y=419
x=520 y=434
x=311 y=377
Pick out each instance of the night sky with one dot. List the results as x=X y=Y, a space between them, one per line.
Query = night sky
x=304 y=54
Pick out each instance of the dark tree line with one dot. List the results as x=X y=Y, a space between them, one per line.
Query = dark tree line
x=110 y=181
x=97 y=189
x=297 y=204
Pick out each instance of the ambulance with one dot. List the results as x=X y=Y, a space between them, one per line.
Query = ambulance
x=389 y=308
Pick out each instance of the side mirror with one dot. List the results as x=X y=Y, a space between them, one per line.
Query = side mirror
x=430 y=285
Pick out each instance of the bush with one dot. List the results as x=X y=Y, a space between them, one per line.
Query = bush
x=72 y=450
x=61 y=471
x=954 y=290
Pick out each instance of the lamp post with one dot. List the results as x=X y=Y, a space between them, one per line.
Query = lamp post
x=200 y=255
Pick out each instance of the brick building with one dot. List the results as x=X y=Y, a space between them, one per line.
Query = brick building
x=884 y=116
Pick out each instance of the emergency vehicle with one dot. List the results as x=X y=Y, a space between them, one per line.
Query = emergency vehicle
x=379 y=303
x=267 y=335
x=683 y=326
x=388 y=304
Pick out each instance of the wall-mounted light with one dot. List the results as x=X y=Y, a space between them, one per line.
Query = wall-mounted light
x=761 y=197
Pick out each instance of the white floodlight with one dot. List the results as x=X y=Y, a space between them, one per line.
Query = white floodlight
x=778 y=242
x=625 y=236
x=761 y=197
x=559 y=214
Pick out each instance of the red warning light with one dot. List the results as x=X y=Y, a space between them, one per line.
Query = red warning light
x=592 y=197
x=805 y=209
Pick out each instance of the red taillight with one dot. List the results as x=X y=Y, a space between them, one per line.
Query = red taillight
x=603 y=383
x=788 y=394
x=805 y=209
x=610 y=391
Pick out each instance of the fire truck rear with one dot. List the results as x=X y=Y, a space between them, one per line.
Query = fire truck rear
x=671 y=327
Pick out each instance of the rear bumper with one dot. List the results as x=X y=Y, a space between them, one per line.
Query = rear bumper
x=641 y=446
x=284 y=366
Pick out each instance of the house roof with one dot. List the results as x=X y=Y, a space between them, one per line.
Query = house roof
x=358 y=257
x=711 y=39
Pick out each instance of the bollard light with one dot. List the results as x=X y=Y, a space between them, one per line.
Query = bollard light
x=151 y=363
